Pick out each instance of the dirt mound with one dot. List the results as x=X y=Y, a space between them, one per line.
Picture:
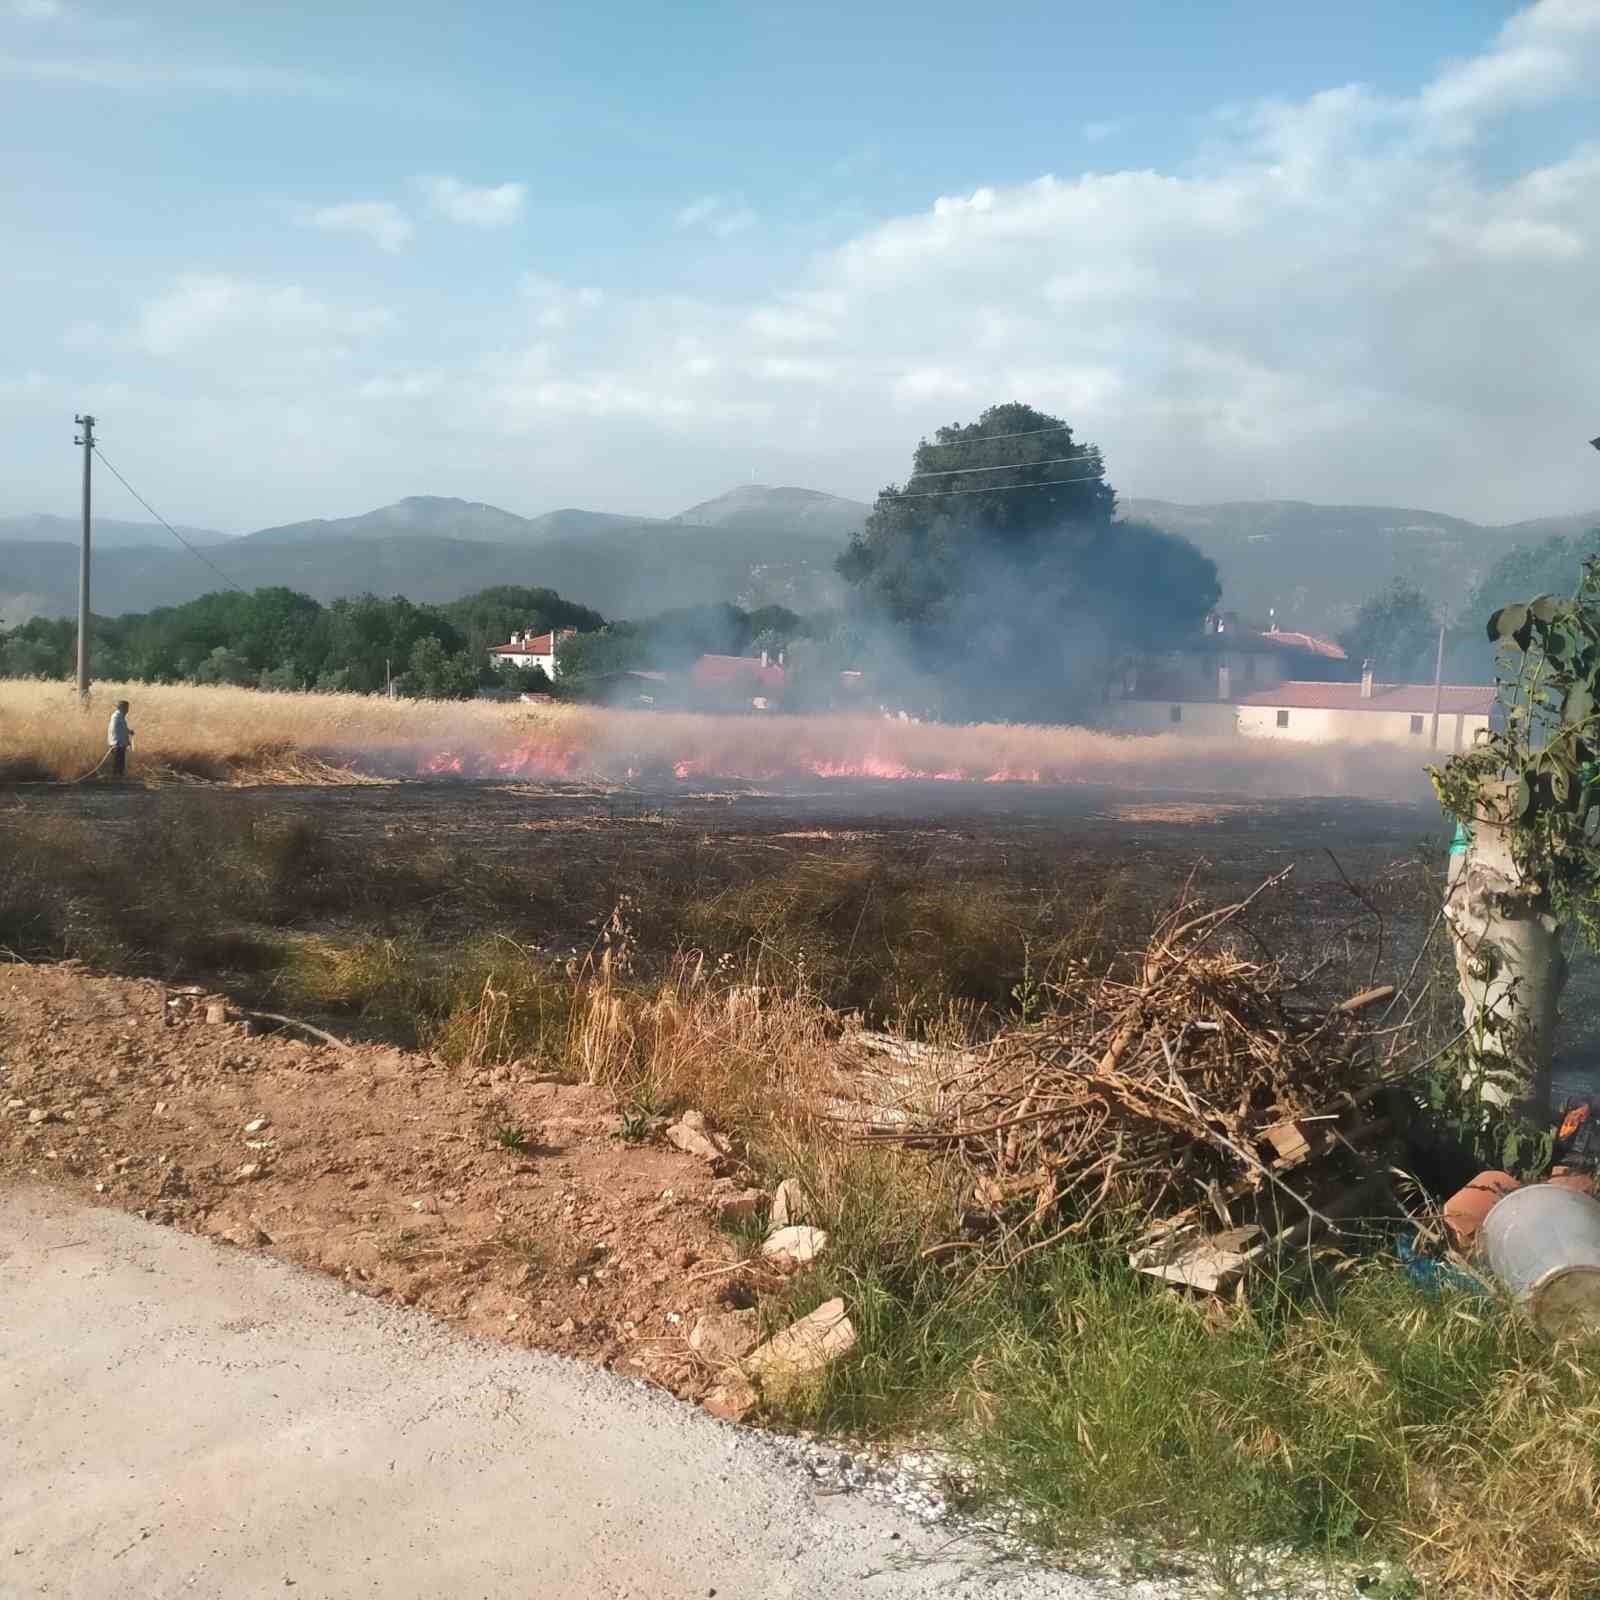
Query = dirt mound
x=503 y=1201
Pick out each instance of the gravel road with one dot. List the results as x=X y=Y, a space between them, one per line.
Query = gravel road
x=181 y=1418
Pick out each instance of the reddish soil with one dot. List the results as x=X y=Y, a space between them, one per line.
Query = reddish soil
x=382 y=1167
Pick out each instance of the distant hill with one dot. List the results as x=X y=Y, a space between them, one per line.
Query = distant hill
x=423 y=516
x=755 y=545
x=760 y=509
x=417 y=516
x=109 y=533
x=628 y=571
x=1315 y=564
x=574 y=524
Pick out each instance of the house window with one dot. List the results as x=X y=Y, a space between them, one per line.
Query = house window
x=1175 y=714
x=1416 y=724
x=1283 y=719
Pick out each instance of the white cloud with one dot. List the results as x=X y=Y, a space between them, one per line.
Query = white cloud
x=401 y=386
x=496 y=207
x=1546 y=50
x=797 y=369
x=722 y=216
x=1099 y=132
x=1356 y=296
x=37 y=10
x=206 y=310
x=161 y=74
x=558 y=305
x=1330 y=304
x=697 y=211
x=377 y=221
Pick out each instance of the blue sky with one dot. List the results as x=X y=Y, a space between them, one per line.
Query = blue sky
x=627 y=256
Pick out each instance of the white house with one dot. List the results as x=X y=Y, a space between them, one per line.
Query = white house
x=1303 y=712
x=1369 y=713
x=531 y=650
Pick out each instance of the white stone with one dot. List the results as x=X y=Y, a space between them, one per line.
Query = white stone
x=788 y=1205
x=796 y=1246
x=805 y=1347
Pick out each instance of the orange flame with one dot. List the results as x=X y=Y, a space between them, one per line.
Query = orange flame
x=547 y=759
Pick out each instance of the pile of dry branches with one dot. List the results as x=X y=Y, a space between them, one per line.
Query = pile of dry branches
x=1199 y=1079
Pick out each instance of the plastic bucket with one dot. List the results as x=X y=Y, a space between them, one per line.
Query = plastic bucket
x=1543 y=1243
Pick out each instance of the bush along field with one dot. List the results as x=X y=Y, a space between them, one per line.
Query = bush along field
x=1328 y=1406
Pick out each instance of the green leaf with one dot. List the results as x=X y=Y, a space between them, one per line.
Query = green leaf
x=1521 y=799
x=1579 y=705
x=1507 y=622
x=1545 y=607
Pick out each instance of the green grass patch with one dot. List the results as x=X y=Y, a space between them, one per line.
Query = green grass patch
x=1353 y=1419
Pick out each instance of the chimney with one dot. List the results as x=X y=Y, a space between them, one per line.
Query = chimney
x=1366 y=680
x=1224 y=682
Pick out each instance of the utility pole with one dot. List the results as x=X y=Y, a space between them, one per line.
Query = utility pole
x=1438 y=687
x=86 y=439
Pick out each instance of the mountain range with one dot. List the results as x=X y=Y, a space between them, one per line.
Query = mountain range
x=109 y=532
x=432 y=548
x=1311 y=565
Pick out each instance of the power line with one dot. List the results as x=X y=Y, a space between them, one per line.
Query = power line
x=1010 y=466
x=984 y=438
x=999 y=488
x=99 y=450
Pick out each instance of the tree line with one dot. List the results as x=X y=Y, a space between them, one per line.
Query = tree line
x=996 y=581
x=1397 y=630
x=277 y=638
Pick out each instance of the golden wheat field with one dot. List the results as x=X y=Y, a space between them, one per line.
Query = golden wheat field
x=244 y=735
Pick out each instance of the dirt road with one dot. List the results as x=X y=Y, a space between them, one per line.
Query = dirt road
x=181 y=1418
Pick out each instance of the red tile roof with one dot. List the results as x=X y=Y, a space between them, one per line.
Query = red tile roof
x=740 y=671
x=1282 y=644
x=1308 y=643
x=1454 y=698
x=541 y=644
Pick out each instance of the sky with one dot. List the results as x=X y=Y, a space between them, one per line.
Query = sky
x=626 y=257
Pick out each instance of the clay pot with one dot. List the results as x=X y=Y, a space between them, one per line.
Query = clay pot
x=1578 y=1182
x=1465 y=1210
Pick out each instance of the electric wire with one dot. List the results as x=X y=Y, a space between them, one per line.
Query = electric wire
x=998 y=488
x=984 y=438
x=1049 y=461
x=163 y=521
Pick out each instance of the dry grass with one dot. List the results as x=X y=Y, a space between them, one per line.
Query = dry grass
x=1363 y=1419
x=244 y=735
x=752 y=1059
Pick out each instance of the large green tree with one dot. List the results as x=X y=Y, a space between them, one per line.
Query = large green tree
x=1002 y=574
x=491 y=616
x=1542 y=568
x=1396 y=630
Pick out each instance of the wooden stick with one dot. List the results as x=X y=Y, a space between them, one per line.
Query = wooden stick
x=295 y=1022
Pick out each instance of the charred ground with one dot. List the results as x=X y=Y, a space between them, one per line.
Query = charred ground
x=899 y=900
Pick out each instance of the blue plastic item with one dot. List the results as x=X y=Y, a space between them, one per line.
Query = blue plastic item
x=1431 y=1275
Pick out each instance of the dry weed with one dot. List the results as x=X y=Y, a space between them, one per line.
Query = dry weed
x=242 y=734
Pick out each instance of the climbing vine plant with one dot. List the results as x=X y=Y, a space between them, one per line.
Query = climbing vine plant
x=1545 y=753
x=1535 y=780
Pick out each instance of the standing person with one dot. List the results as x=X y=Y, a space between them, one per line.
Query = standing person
x=118 y=737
